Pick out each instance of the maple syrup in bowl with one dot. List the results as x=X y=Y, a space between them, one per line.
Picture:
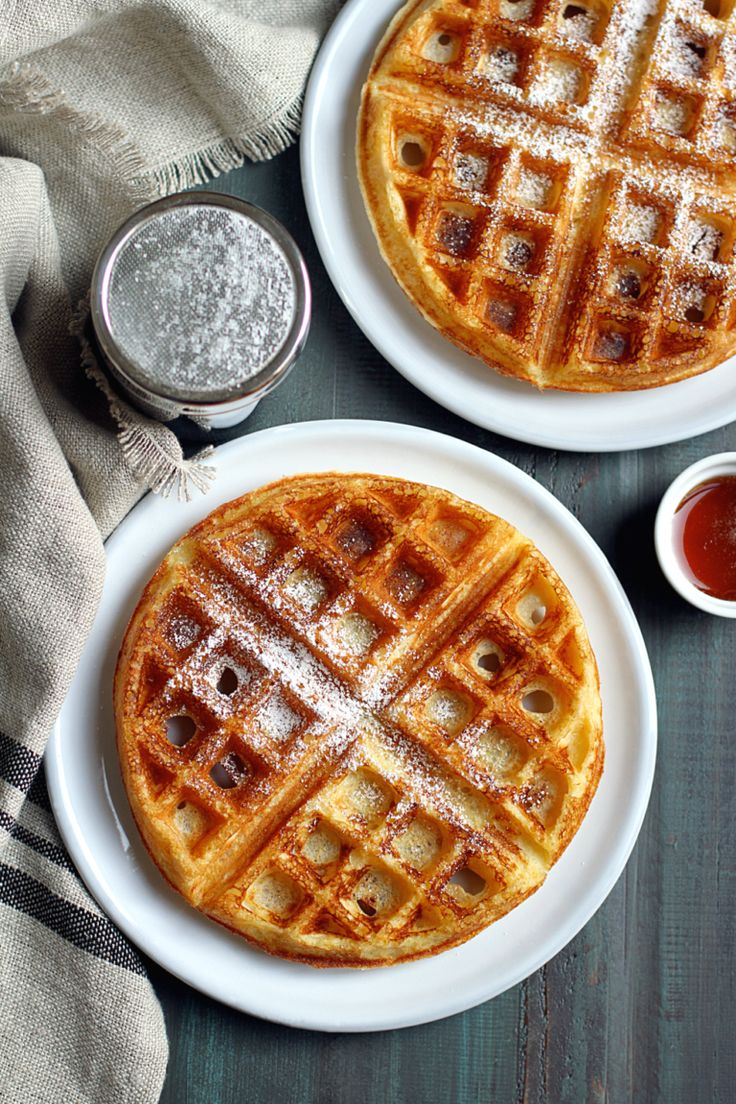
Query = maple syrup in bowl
x=695 y=534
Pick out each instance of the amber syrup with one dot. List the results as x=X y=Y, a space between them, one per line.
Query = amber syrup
x=705 y=536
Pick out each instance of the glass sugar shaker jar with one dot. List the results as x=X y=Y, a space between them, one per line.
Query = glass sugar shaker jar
x=200 y=305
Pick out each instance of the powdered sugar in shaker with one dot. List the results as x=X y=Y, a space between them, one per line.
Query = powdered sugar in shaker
x=200 y=304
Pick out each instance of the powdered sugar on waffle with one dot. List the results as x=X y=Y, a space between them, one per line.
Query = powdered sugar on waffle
x=559 y=83
x=629 y=32
x=627 y=28
x=562 y=82
x=343 y=717
x=334 y=718
x=680 y=56
x=182 y=631
x=291 y=663
x=640 y=224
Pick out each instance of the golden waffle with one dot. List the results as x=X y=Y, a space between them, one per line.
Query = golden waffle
x=552 y=182
x=358 y=718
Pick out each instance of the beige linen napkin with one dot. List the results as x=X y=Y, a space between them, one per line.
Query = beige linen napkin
x=104 y=105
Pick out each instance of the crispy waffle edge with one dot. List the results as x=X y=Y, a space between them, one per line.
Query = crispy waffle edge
x=280 y=940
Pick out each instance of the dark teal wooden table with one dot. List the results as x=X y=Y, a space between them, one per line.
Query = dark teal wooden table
x=640 y=1007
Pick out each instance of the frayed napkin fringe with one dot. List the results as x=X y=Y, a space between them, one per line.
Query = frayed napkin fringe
x=26 y=90
x=151 y=451
x=161 y=471
x=270 y=138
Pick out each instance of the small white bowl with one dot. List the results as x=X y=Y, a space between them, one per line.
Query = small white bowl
x=722 y=463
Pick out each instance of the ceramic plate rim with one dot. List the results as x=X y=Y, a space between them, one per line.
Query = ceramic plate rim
x=66 y=753
x=596 y=422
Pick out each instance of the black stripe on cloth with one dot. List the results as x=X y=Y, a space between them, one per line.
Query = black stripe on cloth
x=23 y=769
x=38 y=793
x=95 y=934
x=50 y=851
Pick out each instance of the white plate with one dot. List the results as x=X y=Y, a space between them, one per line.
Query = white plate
x=587 y=423
x=92 y=809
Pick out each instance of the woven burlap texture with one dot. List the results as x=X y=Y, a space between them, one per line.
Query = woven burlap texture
x=104 y=106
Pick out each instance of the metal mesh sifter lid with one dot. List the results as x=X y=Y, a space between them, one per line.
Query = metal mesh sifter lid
x=201 y=298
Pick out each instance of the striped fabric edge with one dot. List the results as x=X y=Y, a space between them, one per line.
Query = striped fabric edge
x=23 y=768
x=29 y=815
x=55 y=853
x=93 y=932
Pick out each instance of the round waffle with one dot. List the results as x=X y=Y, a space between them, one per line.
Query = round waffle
x=358 y=718
x=552 y=182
